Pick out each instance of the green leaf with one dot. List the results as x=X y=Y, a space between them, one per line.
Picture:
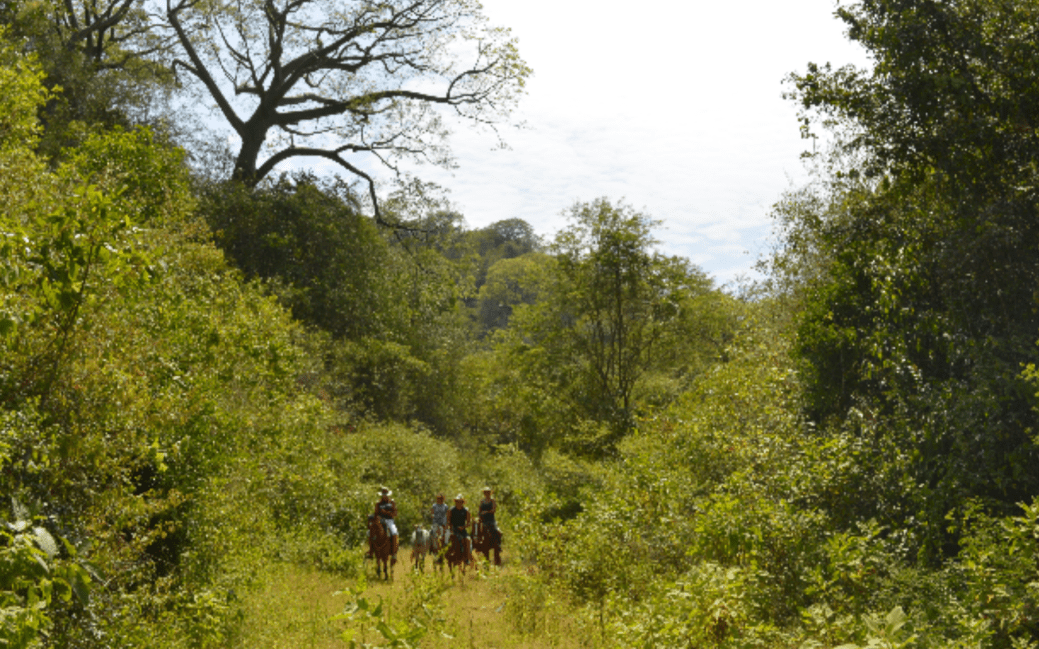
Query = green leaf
x=46 y=541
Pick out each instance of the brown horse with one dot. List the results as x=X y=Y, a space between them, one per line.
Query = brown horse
x=457 y=554
x=484 y=542
x=382 y=548
x=437 y=546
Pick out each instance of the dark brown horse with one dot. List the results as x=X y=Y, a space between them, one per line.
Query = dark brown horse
x=457 y=554
x=484 y=541
x=382 y=548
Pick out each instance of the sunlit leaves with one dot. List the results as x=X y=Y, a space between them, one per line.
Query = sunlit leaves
x=21 y=93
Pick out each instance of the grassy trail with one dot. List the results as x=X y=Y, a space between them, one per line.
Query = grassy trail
x=296 y=607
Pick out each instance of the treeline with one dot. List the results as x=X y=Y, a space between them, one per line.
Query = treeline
x=426 y=321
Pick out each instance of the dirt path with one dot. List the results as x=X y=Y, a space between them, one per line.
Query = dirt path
x=297 y=607
x=468 y=608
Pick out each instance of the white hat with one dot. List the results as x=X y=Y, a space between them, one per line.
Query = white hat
x=385 y=491
x=460 y=497
x=486 y=489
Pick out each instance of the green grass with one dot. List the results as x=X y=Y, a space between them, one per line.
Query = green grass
x=295 y=606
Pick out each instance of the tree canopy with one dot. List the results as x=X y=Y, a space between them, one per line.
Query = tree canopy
x=952 y=89
x=356 y=82
x=918 y=250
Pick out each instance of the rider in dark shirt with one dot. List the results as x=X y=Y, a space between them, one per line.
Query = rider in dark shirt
x=488 y=506
x=459 y=519
x=386 y=510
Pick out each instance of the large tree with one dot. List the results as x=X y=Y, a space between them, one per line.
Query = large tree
x=357 y=82
x=608 y=307
x=952 y=90
x=920 y=253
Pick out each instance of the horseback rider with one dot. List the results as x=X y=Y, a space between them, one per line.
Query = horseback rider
x=488 y=506
x=438 y=514
x=460 y=521
x=386 y=510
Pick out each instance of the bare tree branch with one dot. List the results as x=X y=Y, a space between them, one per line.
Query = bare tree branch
x=347 y=78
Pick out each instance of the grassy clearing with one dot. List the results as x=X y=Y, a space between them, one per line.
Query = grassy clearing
x=294 y=608
x=484 y=609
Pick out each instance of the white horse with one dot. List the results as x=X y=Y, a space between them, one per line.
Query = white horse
x=420 y=544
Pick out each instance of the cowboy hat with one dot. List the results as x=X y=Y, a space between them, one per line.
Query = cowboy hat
x=385 y=491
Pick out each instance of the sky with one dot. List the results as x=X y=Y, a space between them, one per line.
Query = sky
x=674 y=107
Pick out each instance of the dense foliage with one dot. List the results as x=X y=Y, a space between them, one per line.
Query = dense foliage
x=203 y=380
x=923 y=311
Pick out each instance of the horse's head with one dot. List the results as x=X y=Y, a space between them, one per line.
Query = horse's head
x=376 y=527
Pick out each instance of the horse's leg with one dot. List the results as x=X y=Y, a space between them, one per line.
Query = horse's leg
x=454 y=554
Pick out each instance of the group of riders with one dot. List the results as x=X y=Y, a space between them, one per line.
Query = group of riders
x=447 y=522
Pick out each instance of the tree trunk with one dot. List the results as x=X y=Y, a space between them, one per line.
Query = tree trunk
x=253 y=136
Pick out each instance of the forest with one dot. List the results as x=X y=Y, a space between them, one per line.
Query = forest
x=212 y=356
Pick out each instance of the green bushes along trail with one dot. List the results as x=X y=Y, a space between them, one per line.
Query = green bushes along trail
x=208 y=369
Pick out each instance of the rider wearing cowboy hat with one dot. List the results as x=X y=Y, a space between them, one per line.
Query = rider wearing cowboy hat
x=386 y=510
x=458 y=517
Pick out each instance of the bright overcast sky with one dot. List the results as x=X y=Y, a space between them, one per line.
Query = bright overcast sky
x=673 y=106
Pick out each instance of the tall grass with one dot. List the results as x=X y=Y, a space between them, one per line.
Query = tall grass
x=298 y=607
